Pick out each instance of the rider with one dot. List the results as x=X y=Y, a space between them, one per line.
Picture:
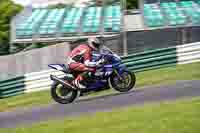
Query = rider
x=79 y=61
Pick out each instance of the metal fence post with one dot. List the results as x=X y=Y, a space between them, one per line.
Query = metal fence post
x=124 y=35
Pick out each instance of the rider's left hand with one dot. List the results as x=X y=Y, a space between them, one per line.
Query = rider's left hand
x=100 y=62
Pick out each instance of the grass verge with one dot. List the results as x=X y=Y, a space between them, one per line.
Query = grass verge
x=154 y=77
x=179 y=117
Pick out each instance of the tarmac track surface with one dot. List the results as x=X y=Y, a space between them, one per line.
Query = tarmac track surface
x=26 y=117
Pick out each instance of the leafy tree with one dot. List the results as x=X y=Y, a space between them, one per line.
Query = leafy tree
x=7 y=10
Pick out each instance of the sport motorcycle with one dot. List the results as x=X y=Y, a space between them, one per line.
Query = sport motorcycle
x=111 y=73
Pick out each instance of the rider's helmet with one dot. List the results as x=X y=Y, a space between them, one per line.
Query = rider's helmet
x=94 y=43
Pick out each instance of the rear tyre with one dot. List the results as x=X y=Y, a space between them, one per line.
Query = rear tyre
x=126 y=84
x=61 y=94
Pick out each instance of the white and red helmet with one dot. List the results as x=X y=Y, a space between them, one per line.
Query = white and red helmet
x=94 y=43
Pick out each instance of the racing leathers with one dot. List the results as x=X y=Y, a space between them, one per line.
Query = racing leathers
x=79 y=61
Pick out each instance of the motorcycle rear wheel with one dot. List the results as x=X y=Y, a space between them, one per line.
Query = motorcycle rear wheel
x=62 y=94
x=126 y=84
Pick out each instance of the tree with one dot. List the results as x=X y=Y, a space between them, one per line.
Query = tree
x=7 y=10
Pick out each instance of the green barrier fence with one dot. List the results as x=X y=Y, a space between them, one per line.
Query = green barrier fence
x=151 y=59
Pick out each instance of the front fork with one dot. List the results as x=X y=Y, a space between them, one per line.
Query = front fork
x=118 y=75
x=119 y=71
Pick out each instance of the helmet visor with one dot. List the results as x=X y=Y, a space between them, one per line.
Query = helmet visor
x=96 y=45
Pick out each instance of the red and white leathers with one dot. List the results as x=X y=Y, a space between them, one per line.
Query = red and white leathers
x=79 y=61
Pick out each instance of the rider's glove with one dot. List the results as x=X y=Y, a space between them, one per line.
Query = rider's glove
x=90 y=63
x=100 y=62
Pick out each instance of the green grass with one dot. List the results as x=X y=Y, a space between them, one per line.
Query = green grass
x=154 y=77
x=169 y=75
x=179 y=117
x=25 y=100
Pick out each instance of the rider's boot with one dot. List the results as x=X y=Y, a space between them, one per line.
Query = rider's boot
x=78 y=82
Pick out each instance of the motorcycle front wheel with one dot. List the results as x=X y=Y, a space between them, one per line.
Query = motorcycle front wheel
x=125 y=84
x=61 y=94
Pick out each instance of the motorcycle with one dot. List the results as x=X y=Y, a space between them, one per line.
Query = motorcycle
x=112 y=73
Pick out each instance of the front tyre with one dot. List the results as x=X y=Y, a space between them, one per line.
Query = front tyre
x=125 y=84
x=61 y=94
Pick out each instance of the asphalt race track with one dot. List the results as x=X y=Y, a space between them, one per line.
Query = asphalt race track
x=26 y=117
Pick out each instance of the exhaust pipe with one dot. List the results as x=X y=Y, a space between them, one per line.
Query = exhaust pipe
x=54 y=78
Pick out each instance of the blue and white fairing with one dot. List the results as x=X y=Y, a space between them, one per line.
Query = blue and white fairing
x=63 y=68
